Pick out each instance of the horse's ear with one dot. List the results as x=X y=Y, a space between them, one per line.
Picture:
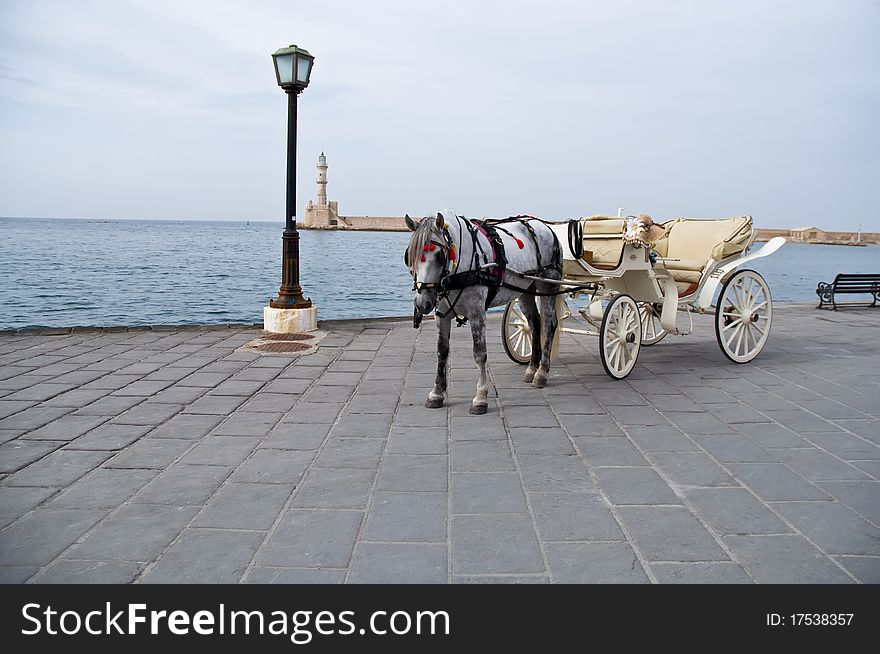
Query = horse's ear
x=410 y=223
x=440 y=221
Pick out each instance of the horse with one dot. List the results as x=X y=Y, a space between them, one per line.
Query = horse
x=460 y=269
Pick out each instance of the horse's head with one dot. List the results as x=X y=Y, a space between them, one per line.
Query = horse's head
x=426 y=257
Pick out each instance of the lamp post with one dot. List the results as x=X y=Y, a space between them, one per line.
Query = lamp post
x=290 y=311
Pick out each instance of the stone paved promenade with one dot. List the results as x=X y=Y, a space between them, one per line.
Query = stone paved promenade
x=175 y=456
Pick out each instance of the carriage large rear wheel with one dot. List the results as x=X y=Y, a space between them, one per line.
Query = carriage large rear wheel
x=516 y=333
x=652 y=330
x=620 y=336
x=743 y=316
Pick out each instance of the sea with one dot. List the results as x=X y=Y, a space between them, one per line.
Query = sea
x=72 y=272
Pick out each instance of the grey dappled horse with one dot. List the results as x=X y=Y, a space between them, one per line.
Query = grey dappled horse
x=451 y=260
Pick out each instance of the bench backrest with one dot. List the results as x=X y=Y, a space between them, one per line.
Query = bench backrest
x=857 y=282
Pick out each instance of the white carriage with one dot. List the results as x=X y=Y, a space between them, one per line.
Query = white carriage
x=637 y=277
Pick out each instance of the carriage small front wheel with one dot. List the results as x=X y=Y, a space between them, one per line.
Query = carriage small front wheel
x=620 y=336
x=516 y=333
x=743 y=316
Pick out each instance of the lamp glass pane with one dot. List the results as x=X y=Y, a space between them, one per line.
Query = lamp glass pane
x=302 y=69
x=284 y=64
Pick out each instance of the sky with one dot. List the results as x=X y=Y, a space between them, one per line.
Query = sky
x=163 y=109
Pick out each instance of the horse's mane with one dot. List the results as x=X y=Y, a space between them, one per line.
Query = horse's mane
x=418 y=240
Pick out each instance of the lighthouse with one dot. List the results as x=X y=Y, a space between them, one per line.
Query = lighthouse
x=322 y=182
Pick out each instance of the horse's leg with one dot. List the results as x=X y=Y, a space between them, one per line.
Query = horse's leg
x=480 y=403
x=530 y=310
x=438 y=394
x=550 y=322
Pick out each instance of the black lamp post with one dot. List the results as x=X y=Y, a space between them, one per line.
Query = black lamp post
x=293 y=67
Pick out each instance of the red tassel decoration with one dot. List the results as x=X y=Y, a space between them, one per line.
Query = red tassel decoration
x=423 y=258
x=520 y=244
x=452 y=255
x=432 y=247
x=425 y=247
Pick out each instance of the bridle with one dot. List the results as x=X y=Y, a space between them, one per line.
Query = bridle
x=447 y=250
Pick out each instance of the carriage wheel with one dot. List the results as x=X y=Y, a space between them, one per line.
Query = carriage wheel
x=620 y=336
x=652 y=330
x=516 y=333
x=743 y=316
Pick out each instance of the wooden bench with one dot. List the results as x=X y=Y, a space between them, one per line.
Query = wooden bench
x=848 y=284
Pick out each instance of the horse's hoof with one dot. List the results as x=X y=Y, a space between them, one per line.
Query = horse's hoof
x=528 y=377
x=540 y=380
x=433 y=403
x=479 y=409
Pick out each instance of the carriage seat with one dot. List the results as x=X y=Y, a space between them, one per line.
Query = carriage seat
x=603 y=241
x=694 y=242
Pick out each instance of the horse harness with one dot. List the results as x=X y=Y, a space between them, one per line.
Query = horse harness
x=488 y=273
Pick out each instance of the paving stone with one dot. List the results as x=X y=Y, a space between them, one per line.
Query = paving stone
x=378 y=403
x=595 y=563
x=424 y=440
x=218 y=405
x=495 y=544
x=274 y=467
x=265 y=575
x=42 y=535
x=109 y=437
x=60 y=468
x=16 y=574
x=361 y=425
x=670 y=534
x=574 y=517
x=102 y=489
x=487 y=492
x=66 y=571
x=237 y=387
x=770 y=435
x=700 y=573
x=500 y=579
x=109 y=406
x=555 y=474
x=416 y=472
x=179 y=395
x=245 y=423
x=481 y=456
x=183 y=484
x=149 y=453
x=525 y=416
x=661 y=439
x=351 y=453
x=297 y=437
x=137 y=532
x=732 y=448
x=844 y=446
x=206 y=556
x=735 y=511
x=784 y=559
x=407 y=517
x=581 y=404
x=17 y=501
x=221 y=450
x=40 y=392
x=594 y=425
x=832 y=526
x=477 y=428
x=16 y=454
x=863 y=497
x=333 y=394
x=244 y=506
x=335 y=488
x=637 y=415
x=774 y=481
x=66 y=428
x=419 y=417
x=816 y=465
x=309 y=539
x=685 y=469
x=33 y=418
x=143 y=388
x=864 y=568
x=698 y=423
x=537 y=440
x=306 y=412
x=401 y=563
x=609 y=451
x=148 y=413
x=186 y=426
x=635 y=486
x=801 y=421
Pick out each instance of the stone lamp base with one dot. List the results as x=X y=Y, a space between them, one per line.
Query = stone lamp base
x=290 y=321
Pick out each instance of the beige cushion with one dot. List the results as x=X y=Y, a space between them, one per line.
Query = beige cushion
x=702 y=240
x=603 y=225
